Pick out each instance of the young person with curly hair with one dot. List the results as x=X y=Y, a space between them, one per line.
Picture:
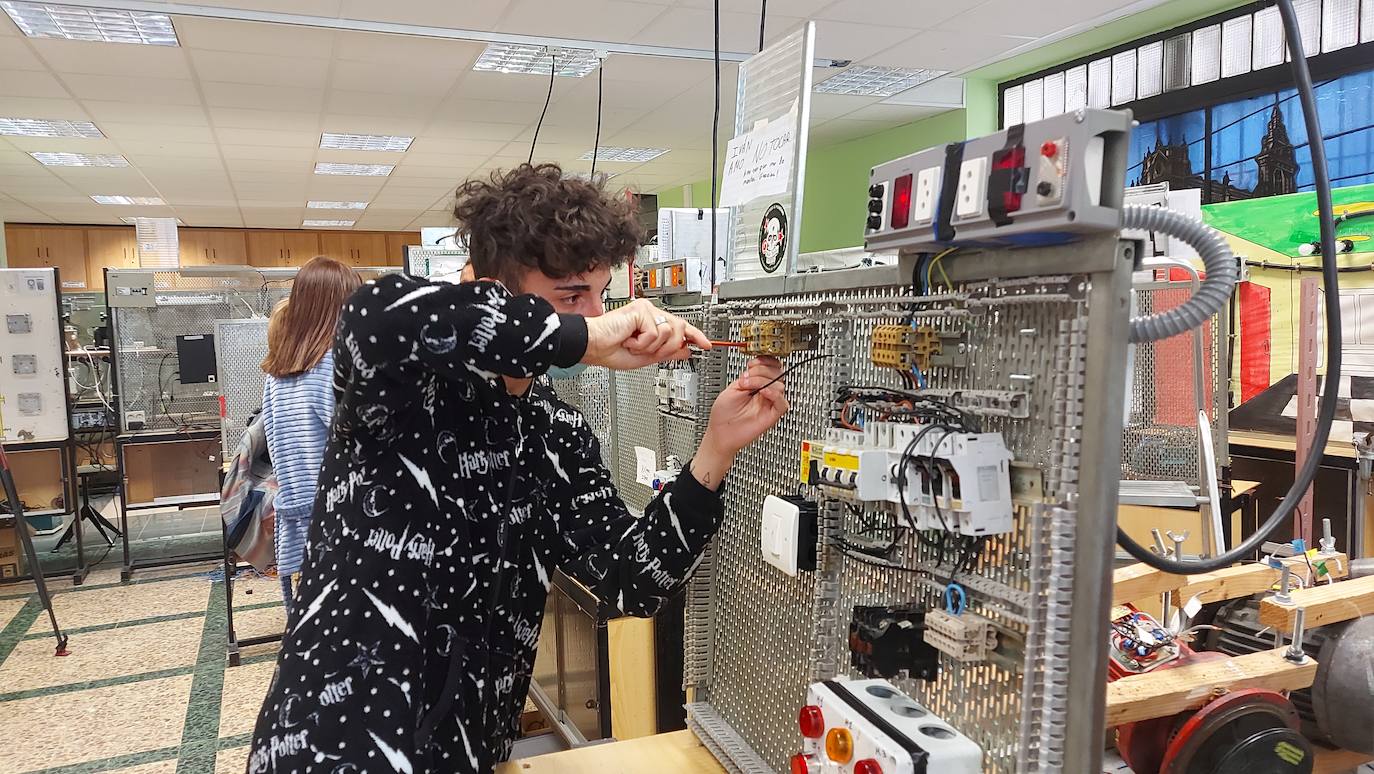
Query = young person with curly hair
x=454 y=486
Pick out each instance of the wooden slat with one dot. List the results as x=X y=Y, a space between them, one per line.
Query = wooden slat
x=1325 y=604
x=1330 y=761
x=1243 y=580
x=1171 y=691
x=1140 y=581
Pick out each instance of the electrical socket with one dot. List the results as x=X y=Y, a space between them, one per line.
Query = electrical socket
x=971 y=198
x=927 y=191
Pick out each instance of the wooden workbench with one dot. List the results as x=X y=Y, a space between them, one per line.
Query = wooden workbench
x=676 y=753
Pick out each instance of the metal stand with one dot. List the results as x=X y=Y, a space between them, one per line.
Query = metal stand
x=86 y=512
x=21 y=529
x=125 y=507
x=233 y=643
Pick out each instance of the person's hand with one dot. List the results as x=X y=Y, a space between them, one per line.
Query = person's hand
x=739 y=415
x=639 y=334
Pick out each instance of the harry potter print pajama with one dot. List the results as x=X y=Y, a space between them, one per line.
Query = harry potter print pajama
x=445 y=504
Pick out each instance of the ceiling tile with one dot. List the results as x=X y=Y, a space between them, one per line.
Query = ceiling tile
x=30 y=83
x=126 y=112
x=827 y=106
x=464 y=110
x=241 y=166
x=1017 y=17
x=911 y=14
x=438 y=53
x=268 y=154
x=106 y=181
x=658 y=70
x=241 y=95
x=79 y=56
x=156 y=131
x=247 y=118
x=462 y=145
x=440 y=13
x=15 y=54
x=363 y=103
x=254 y=37
x=845 y=40
x=262 y=217
x=193 y=215
x=133 y=149
x=268 y=137
x=946 y=50
x=187 y=166
x=692 y=28
x=30 y=107
x=67 y=144
x=406 y=76
x=896 y=114
x=328 y=8
x=800 y=8
x=142 y=91
x=506 y=87
x=372 y=124
x=592 y=19
x=261 y=69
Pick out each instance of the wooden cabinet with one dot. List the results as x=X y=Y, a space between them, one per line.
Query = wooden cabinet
x=355 y=248
x=212 y=247
x=282 y=248
x=109 y=248
x=41 y=247
x=396 y=242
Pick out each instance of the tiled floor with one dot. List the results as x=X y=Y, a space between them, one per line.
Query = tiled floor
x=146 y=688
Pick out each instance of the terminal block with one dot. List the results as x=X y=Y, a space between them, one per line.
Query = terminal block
x=779 y=338
x=905 y=347
x=959 y=481
x=964 y=637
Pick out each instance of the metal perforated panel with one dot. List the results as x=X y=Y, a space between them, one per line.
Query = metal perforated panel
x=756 y=637
x=240 y=346
x=590 y=393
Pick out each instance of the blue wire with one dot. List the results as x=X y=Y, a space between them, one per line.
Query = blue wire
x=950 y=591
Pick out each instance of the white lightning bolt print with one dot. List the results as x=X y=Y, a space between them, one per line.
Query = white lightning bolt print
x=672 y=515
x=485 y=376
x=422 y=478
x=396 y=758
x=467 y=746
x=557 y=464
x=314 y=606
x=539 y=569
x=412 y=295
x=392 y=616
x=551 y=324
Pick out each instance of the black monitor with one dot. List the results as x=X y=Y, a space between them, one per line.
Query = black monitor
x=196 y=358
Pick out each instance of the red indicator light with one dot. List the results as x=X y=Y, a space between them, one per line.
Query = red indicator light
x=1012 y=160
x=1049 y=150
x=812 y=722
x=801 y=764
x=901 y=201
x=867 y=766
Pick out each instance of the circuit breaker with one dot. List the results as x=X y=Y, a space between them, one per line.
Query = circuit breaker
x=1042 y=183
x=676 y=390
x=870 y=727
x=954 y=481
x=32 y=362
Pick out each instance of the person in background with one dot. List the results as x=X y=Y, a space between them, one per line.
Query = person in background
x=298 y=400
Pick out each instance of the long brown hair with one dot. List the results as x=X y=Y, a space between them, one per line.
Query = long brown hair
x=302 y=327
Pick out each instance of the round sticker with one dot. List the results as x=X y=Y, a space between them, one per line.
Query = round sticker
x=773 y=238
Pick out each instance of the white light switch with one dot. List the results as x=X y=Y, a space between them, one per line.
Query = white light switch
x=778 y=533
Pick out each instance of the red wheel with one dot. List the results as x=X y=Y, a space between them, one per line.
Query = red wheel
x=1253 y=731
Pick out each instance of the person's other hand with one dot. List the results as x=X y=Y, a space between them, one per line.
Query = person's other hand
x=639 y=334
x=739 y=416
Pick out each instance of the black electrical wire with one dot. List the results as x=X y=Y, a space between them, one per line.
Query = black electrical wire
x=596 y=145
x=763 y=20
x=715 y=138
x=553 y=70
x=1326 y=409
x=787 y=371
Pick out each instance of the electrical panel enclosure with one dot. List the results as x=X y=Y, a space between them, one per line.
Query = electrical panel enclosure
x=33 y=406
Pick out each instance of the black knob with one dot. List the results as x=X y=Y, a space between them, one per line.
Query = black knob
x=876 y=190
x=875 y=205
x=1044 y=188
x=874 y=222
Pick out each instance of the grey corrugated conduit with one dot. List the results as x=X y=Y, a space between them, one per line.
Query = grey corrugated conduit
x=1215 y=291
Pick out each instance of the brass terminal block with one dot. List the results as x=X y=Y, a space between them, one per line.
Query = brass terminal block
x=779 y=338
x=902 y=347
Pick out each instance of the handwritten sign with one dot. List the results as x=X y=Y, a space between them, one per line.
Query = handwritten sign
x=646 y=463
x=759 y=163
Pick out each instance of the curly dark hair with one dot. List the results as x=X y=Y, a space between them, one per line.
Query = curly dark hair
x=533 y=217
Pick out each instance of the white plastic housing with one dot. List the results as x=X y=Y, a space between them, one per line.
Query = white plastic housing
x=779 y=533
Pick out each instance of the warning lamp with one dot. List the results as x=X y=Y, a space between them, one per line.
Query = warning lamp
x=901 y=201
x=839 y=745
x=867 y=766
x=812 y=722
x=801 y=764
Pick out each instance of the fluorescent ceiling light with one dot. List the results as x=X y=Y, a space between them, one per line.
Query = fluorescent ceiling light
x=321 y=223
x=337 y=205
x=335 y=168
x=877 y=81
x=611 y=153
x=42 y=127
x=45 y=20
x=134 y=221
x=364 y=142
x=536 y=60
x=107 y=199
x=51 y=159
